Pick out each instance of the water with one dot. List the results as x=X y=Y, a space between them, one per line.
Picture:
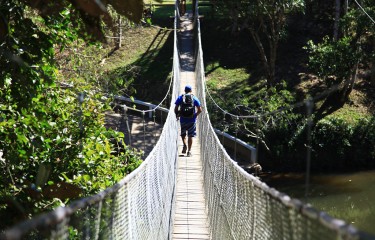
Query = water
x=350 y=197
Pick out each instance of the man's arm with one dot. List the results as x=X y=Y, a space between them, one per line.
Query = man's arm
x=199 y=110
x=176 y=112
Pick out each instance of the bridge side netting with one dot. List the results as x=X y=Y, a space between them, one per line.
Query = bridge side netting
x=138 y=207
x=242 y=207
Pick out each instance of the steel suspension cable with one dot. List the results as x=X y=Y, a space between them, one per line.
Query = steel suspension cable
x=157 y=106
x=359 y=5
x=318 y=97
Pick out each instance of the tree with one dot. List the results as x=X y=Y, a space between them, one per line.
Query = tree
x=25 y=45
x=266 y=20
x=87 y=15
x=47 y=137
x=337 y=19
x=337 y=61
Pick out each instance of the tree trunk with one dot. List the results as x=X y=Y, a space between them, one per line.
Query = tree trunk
x=373 y=74
x=373 y=65
x=272 y=64
x=263 y=56
x=337 y=99
x=273 y=39
x=337 y=19
x=234 y=15
x=117 y=33
x=349 y=85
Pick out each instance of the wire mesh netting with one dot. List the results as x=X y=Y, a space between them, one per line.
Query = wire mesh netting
x=138 y=207
x=240 y=206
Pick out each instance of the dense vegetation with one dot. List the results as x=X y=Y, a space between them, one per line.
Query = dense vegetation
x=53 y=144
x=58 y=76
x=315 y=58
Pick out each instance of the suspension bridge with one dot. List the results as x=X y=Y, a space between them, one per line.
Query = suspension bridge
x=171 y=196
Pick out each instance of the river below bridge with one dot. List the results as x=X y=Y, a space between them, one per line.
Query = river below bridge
x=349 y=196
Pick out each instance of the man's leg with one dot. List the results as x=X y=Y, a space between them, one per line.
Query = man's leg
x=191 y=134
x=183 y=137
x=190 y=143
x=184 y=142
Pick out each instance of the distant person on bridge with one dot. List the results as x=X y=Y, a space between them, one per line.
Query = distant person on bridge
x=187 y=108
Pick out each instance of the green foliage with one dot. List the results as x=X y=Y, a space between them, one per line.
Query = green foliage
x=258 y=100
x=25 y=57
x=276 y=98
x=144 y=60
x=60 y=28
x=86 y=17
x=337 y=144
x=80 y=65
x=266 y=20
x=53 y=148
x=332 y=133
x=357 y=25
x=279 y=123
x=232 y=87
x=70 y=139
x=344 y=144
x=333 y=60
x=363 y=143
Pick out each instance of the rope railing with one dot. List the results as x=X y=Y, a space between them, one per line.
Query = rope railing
x=240 y=206
x=227 y=139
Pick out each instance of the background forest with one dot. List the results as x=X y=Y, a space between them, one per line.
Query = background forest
x=279 y=57
x=61 y=64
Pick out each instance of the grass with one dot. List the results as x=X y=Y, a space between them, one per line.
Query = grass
x=220 y=77
x=141 y=67
x=233 y=68
x=144 y=62
x=233 y=64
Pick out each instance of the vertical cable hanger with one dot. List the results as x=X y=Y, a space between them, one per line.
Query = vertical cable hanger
x=235 y=139
x=258 y=137
x=80 y=97
x=309 y=108
x=161 y=117
x=144 y=131
x=154 y=116
x=126 y=118
x=223 y=129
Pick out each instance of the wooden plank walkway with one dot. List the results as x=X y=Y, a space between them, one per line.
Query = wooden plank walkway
x=190 y=219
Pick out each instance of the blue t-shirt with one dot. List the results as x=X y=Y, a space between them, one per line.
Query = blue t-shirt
x=197 y=103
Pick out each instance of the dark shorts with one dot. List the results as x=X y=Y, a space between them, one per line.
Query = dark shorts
x=190 y=128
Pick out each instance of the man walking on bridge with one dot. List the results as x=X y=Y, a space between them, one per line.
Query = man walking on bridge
x=187 y=108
